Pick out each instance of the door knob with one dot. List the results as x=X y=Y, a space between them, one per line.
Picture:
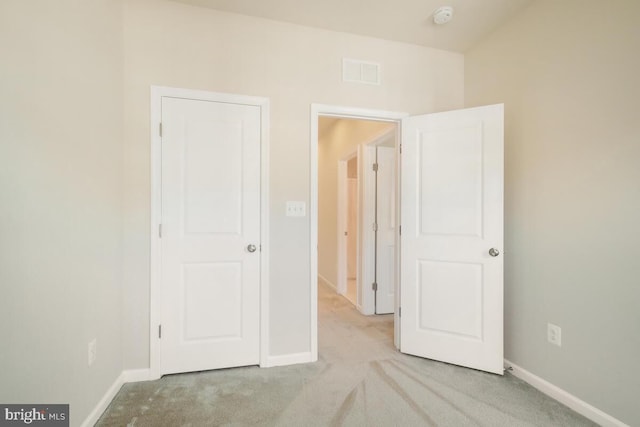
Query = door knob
x=494 y=252
x=251 y=248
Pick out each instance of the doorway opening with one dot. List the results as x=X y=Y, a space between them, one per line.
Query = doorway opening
x=357 y=207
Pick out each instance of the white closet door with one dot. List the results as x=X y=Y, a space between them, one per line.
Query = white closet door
x=210 y=235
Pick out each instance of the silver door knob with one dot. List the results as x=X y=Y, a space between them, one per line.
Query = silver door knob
x=251 y=248
x=494 y=252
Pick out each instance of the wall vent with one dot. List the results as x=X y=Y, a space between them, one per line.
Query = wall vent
x=357 y=71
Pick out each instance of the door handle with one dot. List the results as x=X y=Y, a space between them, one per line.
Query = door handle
x=494 y=252
x=251 y=248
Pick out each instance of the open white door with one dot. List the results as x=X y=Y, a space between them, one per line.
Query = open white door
x=386 y=229
x=452 y=237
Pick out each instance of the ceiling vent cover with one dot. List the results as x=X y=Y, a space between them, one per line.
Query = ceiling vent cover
x=357 y=71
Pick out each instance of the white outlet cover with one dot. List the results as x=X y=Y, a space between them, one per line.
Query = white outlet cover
x=554 y=334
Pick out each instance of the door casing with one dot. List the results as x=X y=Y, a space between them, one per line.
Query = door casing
x=157 y=93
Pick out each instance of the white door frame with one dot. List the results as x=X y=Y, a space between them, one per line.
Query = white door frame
x=343 y=196
x=157 y=93
x=318 y=110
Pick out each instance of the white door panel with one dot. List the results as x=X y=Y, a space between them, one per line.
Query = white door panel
x=210 y=214
x=352 y=228
x=452 y=215
x=386 y=234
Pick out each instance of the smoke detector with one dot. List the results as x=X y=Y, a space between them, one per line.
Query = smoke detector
x=442 y=15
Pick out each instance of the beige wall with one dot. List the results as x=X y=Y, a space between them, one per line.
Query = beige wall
x=60 y=200
x=335 y=144
x=177 y=45
x=352 y=168
x=568 y=72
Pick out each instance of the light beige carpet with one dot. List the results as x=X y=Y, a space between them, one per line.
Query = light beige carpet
x=359 y=380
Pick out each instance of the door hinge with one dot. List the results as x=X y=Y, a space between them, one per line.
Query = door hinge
x=374 y=286
x=160 y=129
x=159 y=331
x=400 y=229
x=346 y=233
x=160 y=231
x=399 y=311
x=375 y=226
x=400 y=148
x=375 y=167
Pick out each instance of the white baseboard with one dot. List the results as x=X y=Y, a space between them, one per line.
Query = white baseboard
x=97 y=412
x=288 y=359
x=128 y=376
x=580 y=406
x=136 y=375
x=325 y=280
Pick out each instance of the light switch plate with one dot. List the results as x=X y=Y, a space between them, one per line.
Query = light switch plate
x=296 y=209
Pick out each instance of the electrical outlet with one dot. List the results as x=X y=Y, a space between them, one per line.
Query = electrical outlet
x=554 y=334
x=92 y=351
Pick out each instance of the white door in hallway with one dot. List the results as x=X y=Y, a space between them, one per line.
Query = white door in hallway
x=452 y=237
x=386 y=234
x=352 y=228
x=210 y=243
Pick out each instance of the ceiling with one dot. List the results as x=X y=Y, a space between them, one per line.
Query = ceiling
x=408 y=21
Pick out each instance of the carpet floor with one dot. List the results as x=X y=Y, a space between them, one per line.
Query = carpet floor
x=360 y=379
